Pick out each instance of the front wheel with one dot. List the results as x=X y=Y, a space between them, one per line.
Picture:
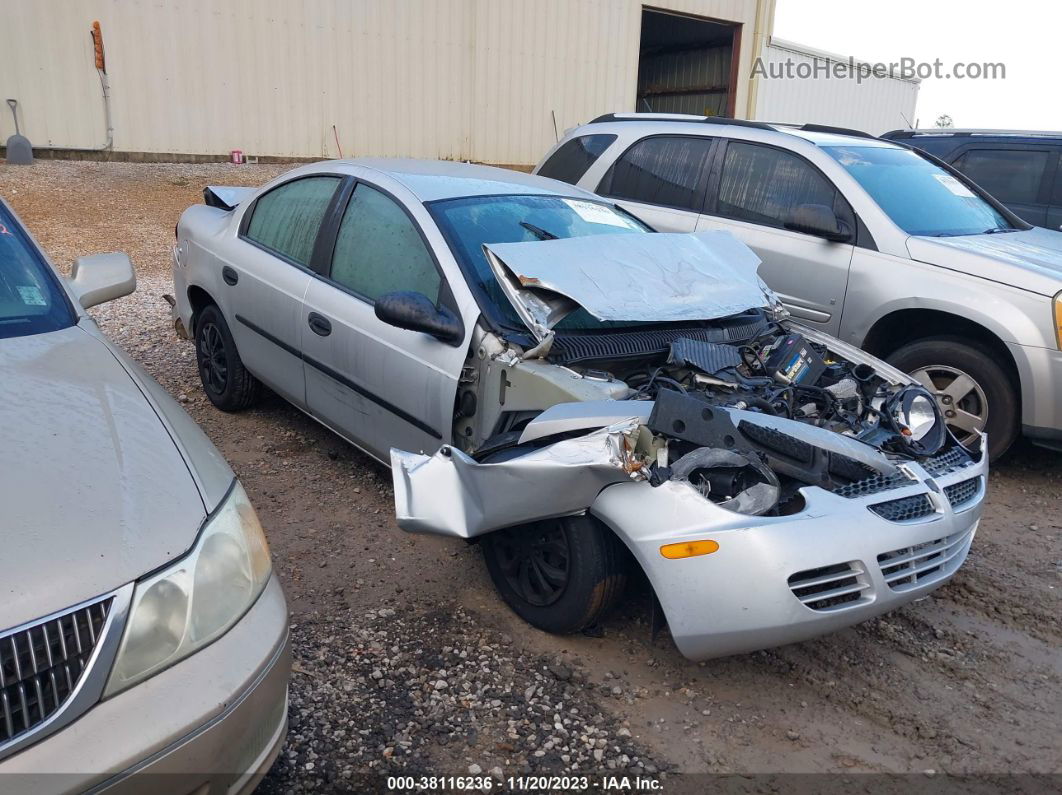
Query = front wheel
x=560 y=575
x=228 y=384
x=973 y=392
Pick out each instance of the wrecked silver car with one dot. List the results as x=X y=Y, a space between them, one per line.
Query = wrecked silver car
x=582 y=397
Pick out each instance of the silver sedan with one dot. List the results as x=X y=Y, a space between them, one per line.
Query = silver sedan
x=581 y=397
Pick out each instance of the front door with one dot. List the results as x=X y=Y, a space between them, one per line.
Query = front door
x=378 y=385
x=756 y=189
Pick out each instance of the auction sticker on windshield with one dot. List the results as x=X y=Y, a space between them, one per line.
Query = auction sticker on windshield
x=956 y=187
x=594 y=213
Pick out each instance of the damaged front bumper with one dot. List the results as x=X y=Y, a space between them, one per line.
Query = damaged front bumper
x=778 y=580
x=844 y=557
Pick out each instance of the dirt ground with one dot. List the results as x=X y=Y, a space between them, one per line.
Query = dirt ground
x=967 y=680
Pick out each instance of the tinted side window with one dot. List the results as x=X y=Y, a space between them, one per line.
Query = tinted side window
x=379 y=250
x=1011 y=175
x=286 y=219
x=664 y=170
x=571 y=161
x=763 y=185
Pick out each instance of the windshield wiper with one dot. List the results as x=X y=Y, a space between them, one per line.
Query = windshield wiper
x=538 y=231
x=996 y=230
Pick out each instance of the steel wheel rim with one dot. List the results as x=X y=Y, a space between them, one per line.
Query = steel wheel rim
x=213 y=363
x=961 y=399
x=535 y=561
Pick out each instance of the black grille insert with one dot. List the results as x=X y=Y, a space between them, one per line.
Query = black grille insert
x=955 y=458
x=962 y=492
x=904 y=509
x=40 y=666
x=829 y=587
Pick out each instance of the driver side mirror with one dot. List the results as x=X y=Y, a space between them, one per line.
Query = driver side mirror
x=820 y=221
x=415 y=312
x=99 y=278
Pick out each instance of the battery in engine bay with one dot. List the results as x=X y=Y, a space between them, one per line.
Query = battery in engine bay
x=792 y=360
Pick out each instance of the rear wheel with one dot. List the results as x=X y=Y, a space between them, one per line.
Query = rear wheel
x=560 y=575
x=973 y=392
x=228 y=384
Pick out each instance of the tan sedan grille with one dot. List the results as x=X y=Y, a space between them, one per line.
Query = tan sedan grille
x=41 y=665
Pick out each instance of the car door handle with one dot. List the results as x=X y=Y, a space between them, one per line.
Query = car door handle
x=319 y=324
x=230 y=275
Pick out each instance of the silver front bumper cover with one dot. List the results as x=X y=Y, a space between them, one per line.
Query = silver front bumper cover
x=739 y=598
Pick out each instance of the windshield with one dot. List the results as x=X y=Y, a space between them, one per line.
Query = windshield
x=470 y=222
x=920 y=198
x=31 y=301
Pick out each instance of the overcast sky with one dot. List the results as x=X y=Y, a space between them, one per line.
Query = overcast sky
x=1022 y=34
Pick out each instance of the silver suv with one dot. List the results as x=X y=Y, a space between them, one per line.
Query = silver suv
x=870 y=241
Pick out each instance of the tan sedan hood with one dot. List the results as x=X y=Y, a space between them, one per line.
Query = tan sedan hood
x=93 y=492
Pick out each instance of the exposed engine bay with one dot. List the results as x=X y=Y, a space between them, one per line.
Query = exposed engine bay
x=746 y=422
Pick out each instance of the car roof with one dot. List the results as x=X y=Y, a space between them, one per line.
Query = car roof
x=432 y=180
x=951 y=132
x=817 y=134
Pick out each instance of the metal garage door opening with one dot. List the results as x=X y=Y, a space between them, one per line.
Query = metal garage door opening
x=687 y=64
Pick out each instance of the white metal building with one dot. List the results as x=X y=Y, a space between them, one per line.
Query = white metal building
x=829 y=94
x=486 y=80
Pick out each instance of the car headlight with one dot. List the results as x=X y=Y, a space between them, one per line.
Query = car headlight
x=1056 y=310
x=919 y=419
x=179 y=610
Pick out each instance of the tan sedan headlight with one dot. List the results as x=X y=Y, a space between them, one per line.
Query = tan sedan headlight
x=179 y=610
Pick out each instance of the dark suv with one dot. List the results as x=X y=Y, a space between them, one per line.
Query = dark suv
x=1019 y=168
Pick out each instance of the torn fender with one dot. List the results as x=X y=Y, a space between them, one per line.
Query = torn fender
x=452 y=494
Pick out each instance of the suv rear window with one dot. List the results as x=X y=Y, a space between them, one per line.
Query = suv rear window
x=31 y=300
x=666 y=169
x=572 y=159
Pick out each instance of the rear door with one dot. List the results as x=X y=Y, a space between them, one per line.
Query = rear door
x=375 y=384
x=662 y=179
x=267 y=275
x=753 y=189
x=1020 y=176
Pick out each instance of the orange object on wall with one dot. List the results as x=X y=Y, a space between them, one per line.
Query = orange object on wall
x=97 y=45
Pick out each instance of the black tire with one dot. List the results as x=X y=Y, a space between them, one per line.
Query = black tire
x=225 y=380
x=1000 y=394
x=587 y=562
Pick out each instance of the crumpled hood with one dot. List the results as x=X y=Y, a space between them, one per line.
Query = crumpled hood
x=1030 y=259
x=94 y=493
x=630 y=277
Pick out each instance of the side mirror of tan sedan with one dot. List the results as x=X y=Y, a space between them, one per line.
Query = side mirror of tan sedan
x=99 y=278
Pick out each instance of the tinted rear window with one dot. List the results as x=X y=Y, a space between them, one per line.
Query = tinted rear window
x=667 y=170
x=31 y=300
x=571 y=161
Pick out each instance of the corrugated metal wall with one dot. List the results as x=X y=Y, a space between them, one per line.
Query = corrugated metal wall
x=877 y=105
x=462 y=79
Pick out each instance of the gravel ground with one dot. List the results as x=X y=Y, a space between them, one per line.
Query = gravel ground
x=965 y=681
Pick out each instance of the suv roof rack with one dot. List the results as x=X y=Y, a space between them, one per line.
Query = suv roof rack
x=756 y=125
x=826 y=128
x=680 y=117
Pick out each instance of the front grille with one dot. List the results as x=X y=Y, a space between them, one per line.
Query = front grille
x=830 y=587
x=923 y=563
x=905 y=509
x=962 y=492
x=955 y=458
x=41 y=665
x=873 y=485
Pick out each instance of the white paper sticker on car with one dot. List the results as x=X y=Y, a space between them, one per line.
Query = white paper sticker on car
x=594 y=213
x=31 y=295
x=956 y=187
